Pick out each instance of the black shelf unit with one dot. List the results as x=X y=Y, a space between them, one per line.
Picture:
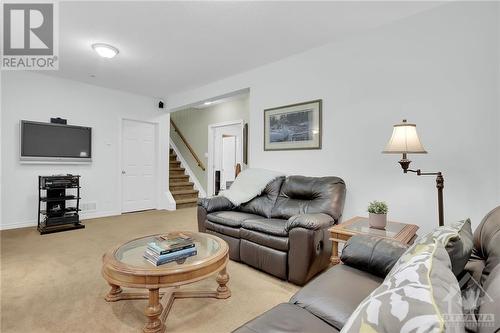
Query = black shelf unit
x=62 y=207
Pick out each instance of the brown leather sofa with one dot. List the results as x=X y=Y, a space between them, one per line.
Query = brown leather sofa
x=325 y=304
x=284 y=231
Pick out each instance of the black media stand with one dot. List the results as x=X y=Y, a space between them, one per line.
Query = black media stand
x=59 y=214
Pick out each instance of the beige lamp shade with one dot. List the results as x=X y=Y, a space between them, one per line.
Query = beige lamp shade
x=404 y=140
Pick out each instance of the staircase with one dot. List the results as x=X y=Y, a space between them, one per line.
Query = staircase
x=181 y=188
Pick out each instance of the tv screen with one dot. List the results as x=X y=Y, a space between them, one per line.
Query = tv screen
x=53 y=142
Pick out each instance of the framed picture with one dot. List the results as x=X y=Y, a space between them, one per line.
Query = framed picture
x=292 y=127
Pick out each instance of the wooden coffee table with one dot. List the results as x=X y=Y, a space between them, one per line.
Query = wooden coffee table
x=340 y=233
x=124 y=266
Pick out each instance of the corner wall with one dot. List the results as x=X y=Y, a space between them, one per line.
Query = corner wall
x=37 y=97
x=435 y=69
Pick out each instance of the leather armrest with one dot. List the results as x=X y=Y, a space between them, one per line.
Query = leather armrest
x=371 y=254
x=309 y=221
x=216 y=203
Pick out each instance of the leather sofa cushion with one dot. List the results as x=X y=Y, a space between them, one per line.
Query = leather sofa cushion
x=489 y=302
x=274 y=242
x=286 y=317
x=231 y=218
x=334 y=295
x=372 y=254
x=486 y=252
x=223 y=229
x=264 y=203
x=275 y=227
x=309 y=195
x=216 y=203
x=309 y=221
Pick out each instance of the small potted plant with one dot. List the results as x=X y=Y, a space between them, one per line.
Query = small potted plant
x=377 y=214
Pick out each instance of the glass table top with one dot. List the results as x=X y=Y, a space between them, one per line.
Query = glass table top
x=391 y=230
x=131 y=253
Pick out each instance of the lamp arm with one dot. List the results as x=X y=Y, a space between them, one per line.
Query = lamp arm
x=420 y=173
x=405 y=163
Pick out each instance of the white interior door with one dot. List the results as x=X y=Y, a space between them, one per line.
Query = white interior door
x=228 y=161
x=219 y=133
x=138 y=166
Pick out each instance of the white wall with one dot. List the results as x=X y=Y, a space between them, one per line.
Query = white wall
x=435 y=69
x=38 y=97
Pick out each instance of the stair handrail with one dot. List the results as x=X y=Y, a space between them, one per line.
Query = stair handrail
x=198 y=161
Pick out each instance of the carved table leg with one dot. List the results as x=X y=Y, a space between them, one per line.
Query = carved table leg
x=114 y=294
x=153 y=312
x=222 y=279
x=334 y=259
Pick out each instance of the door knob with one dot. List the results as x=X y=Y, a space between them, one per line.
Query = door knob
x=123 y=172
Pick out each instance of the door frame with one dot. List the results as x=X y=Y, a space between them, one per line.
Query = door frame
x=211 y=138
x=157 y=192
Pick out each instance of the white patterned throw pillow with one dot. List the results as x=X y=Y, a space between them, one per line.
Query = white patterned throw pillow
x=420 y=293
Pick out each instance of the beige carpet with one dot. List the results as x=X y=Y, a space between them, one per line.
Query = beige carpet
x=53 y=283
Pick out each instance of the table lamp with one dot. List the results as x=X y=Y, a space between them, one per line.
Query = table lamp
x=404 y=140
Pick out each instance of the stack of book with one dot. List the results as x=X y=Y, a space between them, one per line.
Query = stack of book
x=170 y=247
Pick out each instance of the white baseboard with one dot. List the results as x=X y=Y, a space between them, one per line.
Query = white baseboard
x=33 y=223
x=83 y=217
x=17 y=225
x=192 y=177
x=96 y=215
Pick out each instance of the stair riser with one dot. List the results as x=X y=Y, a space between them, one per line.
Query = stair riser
x=178 y=179
x=185 y=196
x=186 y=205
x=175 y=164
x=174 y=187
x=180 y=182
x=173 y=158
x=177 y=173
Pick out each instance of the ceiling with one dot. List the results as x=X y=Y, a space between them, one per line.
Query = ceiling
x=167 y=47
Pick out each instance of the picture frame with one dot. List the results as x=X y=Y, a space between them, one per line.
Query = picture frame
x=293 y=127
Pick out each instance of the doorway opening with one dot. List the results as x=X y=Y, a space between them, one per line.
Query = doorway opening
x=225 y=152
x=192 y=137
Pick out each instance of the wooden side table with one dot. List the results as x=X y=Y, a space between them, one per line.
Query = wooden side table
x=340 y=233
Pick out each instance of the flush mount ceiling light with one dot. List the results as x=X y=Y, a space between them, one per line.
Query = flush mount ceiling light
x=207 y=103
x=105 y=50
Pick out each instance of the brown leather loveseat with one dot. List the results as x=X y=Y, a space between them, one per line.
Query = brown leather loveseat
x=325 y=304
x=284 y=231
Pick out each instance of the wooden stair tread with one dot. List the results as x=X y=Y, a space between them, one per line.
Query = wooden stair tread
x=178 y=176
x=181 y=184
x=180 y=187
x=185 y=201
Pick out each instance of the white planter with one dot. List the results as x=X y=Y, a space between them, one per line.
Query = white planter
x=377 y=221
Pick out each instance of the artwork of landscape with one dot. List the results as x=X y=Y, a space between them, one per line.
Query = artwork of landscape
x=292 y=126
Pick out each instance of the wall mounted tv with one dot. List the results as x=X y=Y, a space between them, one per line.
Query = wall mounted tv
x=47 y=142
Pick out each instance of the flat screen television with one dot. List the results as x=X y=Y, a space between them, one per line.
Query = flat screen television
x=47 y=142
